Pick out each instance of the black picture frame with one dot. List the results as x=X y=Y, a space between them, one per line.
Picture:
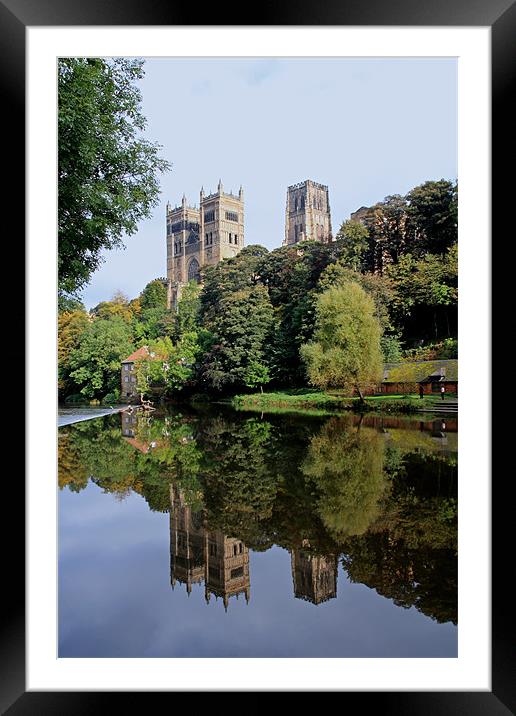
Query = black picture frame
x=15 y=16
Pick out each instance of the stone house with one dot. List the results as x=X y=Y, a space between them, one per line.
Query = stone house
x=128 y=391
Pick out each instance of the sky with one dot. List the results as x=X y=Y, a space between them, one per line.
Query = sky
x=366 y=127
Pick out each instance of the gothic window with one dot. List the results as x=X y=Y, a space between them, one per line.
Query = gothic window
x=302 y=202
x=209 y=216
x=230 y=237
x=231 y=216
x=193 y=270
x=236 y=238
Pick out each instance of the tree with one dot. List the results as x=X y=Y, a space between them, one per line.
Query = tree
x=107 y=173
x=96 y=361
x=154 y=295
x=432 y=210
x=346 y=351
x=352 y=244
x=70 y=327
x=168 y=366
x=117 y=307
x=240 y=331
x=188 y=310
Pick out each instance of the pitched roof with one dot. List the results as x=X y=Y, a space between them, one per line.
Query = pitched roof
x=417 y=371
x=142 y=352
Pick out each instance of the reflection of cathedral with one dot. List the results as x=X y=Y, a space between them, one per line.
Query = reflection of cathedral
x=315 y=577
x=197 y=555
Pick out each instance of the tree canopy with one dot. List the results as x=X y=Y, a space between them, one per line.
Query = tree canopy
x=107 y=171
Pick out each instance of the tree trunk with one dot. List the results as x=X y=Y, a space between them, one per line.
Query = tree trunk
x=360 y=394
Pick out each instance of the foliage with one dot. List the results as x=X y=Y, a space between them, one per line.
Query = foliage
x=432 y=211
x=154 y=295
x=107 y=172
x=117 y=307
x=352 y=242
x=240 y=330
x=95 y=362
x=70 y=327
x=345 y=352
x=346 y=465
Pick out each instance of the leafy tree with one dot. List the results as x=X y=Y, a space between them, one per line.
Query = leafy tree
x=346 y=351
x=427 y=293
x=240 y=331
x=117 y=307
x=66 y=304
x=352 y=242
x=257 y=374
x=154 y=295
x=168 y=365
x=432 y=211
x=107 y=172
x=70 y=327
x=95 y=362
x=188 y=310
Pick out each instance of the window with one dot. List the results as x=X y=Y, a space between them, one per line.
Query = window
x=231 y=216
x=193 y=270
x=238 y=572
x=209 y=216
x=230 y=237
x=126 y=379
x=236 y=238
x=126 y=366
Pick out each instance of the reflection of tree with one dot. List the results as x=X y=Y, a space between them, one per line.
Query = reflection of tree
x=320 y=489
x=424 y=577
x=345 y=465
x=70 y=469
x=240 y=483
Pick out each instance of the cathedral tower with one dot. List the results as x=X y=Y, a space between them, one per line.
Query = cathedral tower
x=307 y=215
x=198 y=237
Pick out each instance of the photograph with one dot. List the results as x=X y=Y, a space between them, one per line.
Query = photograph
x=251 y=254
x=258 y=373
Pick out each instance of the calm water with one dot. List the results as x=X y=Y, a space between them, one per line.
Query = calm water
x=217 y=533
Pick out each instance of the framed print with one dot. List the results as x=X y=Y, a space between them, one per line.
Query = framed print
x=268 y=578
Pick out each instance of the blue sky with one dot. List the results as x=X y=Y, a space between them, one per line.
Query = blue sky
x=366 y=127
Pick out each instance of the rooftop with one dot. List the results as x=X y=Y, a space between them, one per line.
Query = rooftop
x=417 y=371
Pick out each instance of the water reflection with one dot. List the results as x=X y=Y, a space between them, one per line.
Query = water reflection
x=374 y=496
x=199 y=555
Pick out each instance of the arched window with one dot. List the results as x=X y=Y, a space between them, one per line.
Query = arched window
x=193 y=270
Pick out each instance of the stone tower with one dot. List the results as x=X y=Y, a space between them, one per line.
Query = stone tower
x=199 y=555
x=198 y=237
x=307 y=215
x=314 y=577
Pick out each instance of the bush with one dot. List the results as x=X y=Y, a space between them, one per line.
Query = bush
x=76 y=398
x=111 y=398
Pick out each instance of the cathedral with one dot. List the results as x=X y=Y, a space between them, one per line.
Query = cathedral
x=203 y=236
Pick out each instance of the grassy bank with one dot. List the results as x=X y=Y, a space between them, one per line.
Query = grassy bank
x=329 y=401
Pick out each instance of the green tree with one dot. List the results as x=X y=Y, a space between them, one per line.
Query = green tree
x=117 y=307
x=107 y=171
x=345 y=352
x=352 y=242
x=188 y=310
x=95 y=362
x=240 y=331
x=432 y=210
x=70 y=327
x=154 y=295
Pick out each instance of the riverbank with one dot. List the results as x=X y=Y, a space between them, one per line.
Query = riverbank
x=332 y=401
